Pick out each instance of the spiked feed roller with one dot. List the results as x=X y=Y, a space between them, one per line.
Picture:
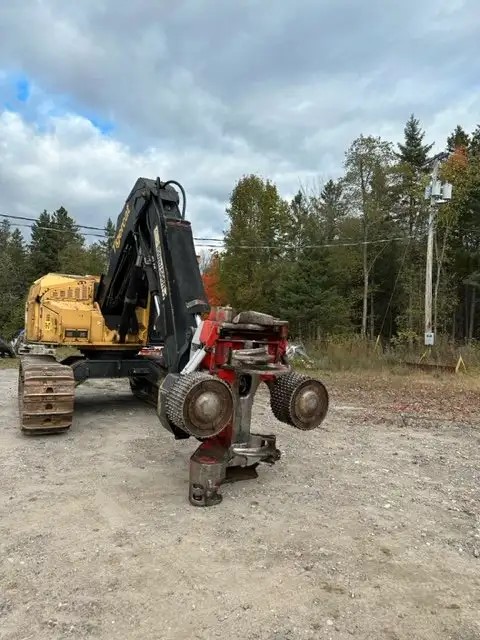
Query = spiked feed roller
x=200 y=404
x=299 y=401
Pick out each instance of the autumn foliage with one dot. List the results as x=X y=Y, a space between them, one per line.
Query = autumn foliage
x=459 y=158
x=211 y=282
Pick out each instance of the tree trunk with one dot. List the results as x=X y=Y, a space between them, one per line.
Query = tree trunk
x=372 y=318
x=471 y=323
x=410 y=310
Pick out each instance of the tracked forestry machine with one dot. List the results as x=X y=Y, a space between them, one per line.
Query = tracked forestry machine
x=202 y=367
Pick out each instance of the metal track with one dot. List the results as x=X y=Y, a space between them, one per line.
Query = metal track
x=46 y=395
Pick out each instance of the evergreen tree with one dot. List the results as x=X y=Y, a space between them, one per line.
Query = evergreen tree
x=302 y=225
x=13 y=280
x=414 y=152
x=308 y=295
x=19 y=259
x=475 y=142
x=43 y=246
x=332 y=208
x=411 y=216
x=78 y=260
x=5 y=231
x=53 y=235
x=459 y=139
x=106 y=245
x=6 y=277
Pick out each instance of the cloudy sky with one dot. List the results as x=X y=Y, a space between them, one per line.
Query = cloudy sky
x=96 y=93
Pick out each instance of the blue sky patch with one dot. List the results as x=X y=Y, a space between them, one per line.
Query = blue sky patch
x=19 y=94
x=104 y=126
x=23 y=89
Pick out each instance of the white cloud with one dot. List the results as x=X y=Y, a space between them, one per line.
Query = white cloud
x=71 y=164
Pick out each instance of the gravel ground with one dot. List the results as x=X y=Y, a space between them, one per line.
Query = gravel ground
x=367 y=528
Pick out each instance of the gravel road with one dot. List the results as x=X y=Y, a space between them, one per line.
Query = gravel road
x=367 y=528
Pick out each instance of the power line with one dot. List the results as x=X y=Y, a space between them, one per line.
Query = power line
x=30 y=226
x=316 y=246
x=241 y=246
x=80 y=226
x=94 y=235
x=84 y=226
x=216 y=246
x=83 y=233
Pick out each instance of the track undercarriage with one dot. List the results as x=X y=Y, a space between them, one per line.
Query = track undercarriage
x=46 y=395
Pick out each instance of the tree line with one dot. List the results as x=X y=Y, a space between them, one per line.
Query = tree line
x=349 y=257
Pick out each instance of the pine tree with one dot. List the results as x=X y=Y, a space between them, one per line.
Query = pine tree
x=5 y=230
x=106 y=245
x=13 y=280
x=18 y=253
x=307 y=289
x=412 y=158
x=109 y=231
x=301 y=221
x=332 y=209
x=414 y=152
x=44 y=246
x=411 y=216
x=19 y=259
x=475 y=142
x=53 y=235
x=6 y=277
x=459 y=139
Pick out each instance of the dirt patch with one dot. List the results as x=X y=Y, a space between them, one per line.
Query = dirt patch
x=367 y=528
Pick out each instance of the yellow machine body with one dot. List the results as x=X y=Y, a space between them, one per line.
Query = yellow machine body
x=61 y=310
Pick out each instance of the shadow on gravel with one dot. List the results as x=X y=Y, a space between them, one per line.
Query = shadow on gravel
x=91 y=403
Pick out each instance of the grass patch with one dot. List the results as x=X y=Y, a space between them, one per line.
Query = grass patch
x=8 y=363
x=397 y=356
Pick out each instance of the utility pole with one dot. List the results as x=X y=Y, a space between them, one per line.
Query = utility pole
x=437 y=192
x=429 y=337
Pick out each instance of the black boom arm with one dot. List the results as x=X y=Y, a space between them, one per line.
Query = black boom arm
x=153 y=259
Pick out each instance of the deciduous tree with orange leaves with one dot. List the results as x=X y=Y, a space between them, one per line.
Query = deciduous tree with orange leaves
x=211 y=282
